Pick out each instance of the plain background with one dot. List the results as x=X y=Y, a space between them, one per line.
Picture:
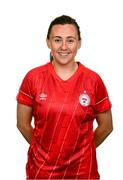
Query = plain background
x=23 y=29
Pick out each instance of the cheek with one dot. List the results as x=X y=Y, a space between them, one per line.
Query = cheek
x=74 y=50
x=54 y=47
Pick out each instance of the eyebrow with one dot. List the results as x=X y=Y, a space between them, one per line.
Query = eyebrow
x=68 y=37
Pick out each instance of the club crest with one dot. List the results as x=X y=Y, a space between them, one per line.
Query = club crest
x=84 y=99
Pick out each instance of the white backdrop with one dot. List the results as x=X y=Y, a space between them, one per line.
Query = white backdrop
x=23 y=29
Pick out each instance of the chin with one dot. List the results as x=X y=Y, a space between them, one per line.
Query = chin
x=63 y=61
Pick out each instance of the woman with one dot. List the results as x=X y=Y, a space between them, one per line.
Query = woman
x=64 y=97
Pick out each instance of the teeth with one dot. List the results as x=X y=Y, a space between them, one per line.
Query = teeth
x=63 y=54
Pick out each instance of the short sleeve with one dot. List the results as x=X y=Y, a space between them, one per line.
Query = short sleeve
x=102 y=101
x=25 y=95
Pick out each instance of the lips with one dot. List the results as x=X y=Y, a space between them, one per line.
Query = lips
x=63 y=54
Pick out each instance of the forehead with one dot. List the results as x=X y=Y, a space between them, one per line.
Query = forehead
x=64 y=30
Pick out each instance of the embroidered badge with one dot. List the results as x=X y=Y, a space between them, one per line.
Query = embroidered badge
x=43 y=96
x=84 y=99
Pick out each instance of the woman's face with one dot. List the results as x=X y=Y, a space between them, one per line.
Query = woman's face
x=64 y=43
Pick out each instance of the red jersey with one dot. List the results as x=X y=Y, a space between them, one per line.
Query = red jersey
x=63 y=144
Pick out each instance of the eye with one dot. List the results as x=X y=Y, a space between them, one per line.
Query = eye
x=70 y=41
x=57 y=40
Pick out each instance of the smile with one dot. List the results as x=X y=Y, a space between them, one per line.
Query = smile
x=63 y=54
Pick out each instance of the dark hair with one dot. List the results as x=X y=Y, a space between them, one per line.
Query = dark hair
x=64 y=19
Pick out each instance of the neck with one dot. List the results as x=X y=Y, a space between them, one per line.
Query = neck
x=65 y=71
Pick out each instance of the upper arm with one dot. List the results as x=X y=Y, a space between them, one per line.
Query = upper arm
x=104 y=120
x=24 y=114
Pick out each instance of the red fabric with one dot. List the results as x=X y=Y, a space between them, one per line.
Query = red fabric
x=63 y=144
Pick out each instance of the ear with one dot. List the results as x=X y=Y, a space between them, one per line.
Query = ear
x=48 y=43
x=79 y=44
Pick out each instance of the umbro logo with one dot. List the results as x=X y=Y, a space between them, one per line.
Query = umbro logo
x=43 y=96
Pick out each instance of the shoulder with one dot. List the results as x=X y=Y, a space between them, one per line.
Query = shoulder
x=90 y=78
x=89 y=73
x=37 y=71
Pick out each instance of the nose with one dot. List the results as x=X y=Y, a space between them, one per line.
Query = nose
x=64 y=45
